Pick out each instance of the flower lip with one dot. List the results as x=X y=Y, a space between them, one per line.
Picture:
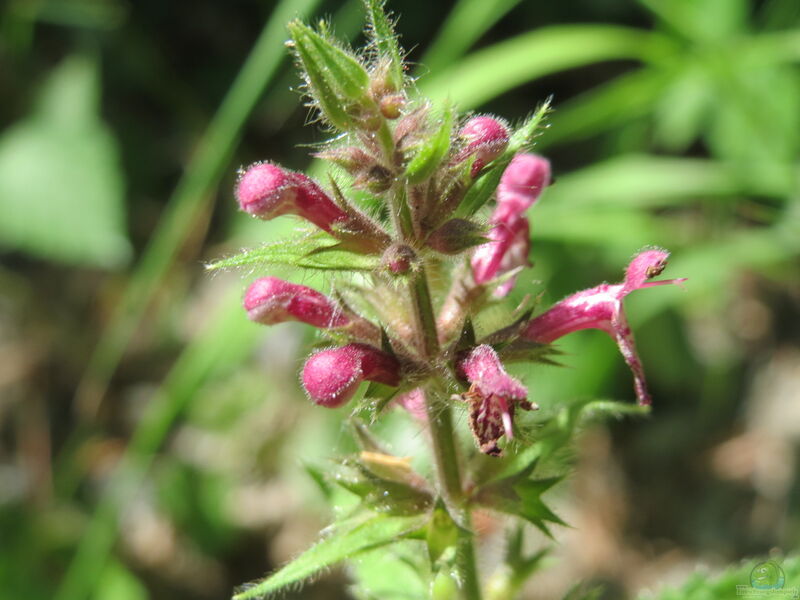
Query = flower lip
x=521 y=185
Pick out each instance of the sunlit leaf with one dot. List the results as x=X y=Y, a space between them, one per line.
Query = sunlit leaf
x=338 y=545
x=318 y=251
x=489 y=72
x=61 y=186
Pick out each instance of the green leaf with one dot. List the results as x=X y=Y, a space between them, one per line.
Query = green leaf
x=61 y=186
x=337 y=80
x=384 y=39
x=342 y=543
x=606 y=107
x=430 y=155
x=442 y=532
x=317 y=251
x=485 y=185
x=489 y=72
x=462 y=27
x=368 y=478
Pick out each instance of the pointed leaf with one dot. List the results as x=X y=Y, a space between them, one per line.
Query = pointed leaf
x=317 y=251
x=430 y=155
x=339 y=545
x=381 y=32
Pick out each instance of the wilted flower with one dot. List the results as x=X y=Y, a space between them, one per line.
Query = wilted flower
x=492 y=397
x=601 y=307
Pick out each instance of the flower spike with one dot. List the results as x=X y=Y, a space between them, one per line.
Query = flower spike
x=493 y=396
x=601 y=308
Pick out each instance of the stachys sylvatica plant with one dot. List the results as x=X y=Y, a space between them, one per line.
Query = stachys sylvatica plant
x=417 y=194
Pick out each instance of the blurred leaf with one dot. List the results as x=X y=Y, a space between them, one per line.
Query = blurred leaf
x=605 y=107
x=120 y=584
x=61 y=188
x=468 y=20
x=704 y=586
x=702 y=20
x=644 y=181
x=395 y=573
x=316 y=251
x=683 y=108
x=191 y=197
x=339 y=544
x=523 y=499
x=583 y=591
x=489 y=72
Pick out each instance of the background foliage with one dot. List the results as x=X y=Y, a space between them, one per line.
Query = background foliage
x=152 y=441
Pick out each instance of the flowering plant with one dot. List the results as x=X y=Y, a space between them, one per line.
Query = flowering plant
x=407 y=205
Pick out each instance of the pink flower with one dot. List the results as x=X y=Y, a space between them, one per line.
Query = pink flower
x=601 y=308
x=414 y=403
x=332 y=376
x=507 y=250
x=492 y=396
x=520 y=186
x=266 y=191
x=486 y=138
x=270 y=300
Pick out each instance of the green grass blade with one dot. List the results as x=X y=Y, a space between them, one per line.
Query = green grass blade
x=191 y=197
x=487 y=73
x=205 y=358
x=467 y=22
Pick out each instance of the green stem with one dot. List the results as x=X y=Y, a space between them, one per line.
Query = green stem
x=423 y=309
x=449 y=479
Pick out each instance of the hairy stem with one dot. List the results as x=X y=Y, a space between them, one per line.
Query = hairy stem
x=425 y=317
x=449 y=481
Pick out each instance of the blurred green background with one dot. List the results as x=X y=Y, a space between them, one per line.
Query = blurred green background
x=153 y=442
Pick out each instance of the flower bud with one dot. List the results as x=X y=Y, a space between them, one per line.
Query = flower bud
x=521 y=185
x=331 y=377
x=337 y=81
x=266 y=191
x=399 y=258
x=487 y=138
x=270 y=300
x=492 y=397
x=392 y=106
